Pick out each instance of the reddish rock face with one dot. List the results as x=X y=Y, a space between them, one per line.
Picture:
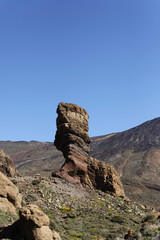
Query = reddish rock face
x=73 y=140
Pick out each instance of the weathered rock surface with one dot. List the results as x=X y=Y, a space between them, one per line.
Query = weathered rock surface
x=104 y=177
x=7 y=165
x=72 y=130
x=73 y=140
x=10 y=198
x=35 y=224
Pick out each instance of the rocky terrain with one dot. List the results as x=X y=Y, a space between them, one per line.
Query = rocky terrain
x=84 y=214
x=73 y=140
x=32 y=223
x=134 y=153
x=73 y=196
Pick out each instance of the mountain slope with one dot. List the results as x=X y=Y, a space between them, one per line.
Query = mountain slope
x=33 y=157
x=139 y=138
x=135 y=154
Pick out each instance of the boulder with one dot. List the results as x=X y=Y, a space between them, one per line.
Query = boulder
x=35 y=224
x=7 y=165
x=104 y=177
x=10 y=198
x=34 y=216
x=7 y=206
x=73 y=140
x=56 y=236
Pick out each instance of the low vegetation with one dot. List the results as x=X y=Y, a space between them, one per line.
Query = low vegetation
x=7 y=218
x=78 y=214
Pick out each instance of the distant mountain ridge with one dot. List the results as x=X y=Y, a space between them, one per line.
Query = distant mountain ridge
x=135 y=153
x=33 y=157
x=138 y=138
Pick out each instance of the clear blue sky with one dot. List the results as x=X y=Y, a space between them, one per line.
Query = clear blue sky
x=103 y=55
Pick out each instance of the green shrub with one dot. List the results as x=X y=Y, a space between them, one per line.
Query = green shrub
x=31 y=198
x=14 y=181
x=71 y=215
x=7 y=218
x=35 y=182
x=151 y=232
x=118 y=219
x=150 y=217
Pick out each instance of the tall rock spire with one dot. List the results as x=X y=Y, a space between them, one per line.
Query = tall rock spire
x=73 y=140
x=72 y=130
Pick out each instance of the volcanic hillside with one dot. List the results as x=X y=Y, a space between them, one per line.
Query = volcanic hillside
x=135 y=153
x=33 y=157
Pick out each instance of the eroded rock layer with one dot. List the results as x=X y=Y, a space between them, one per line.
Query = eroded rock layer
x=72 y=130
x=73 y=140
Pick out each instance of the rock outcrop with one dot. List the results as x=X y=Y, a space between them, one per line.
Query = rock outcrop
x=35 y=224
x=104 y=177
x=73 y=140
x=7 y=165
x=10 y=198
x=72 y=130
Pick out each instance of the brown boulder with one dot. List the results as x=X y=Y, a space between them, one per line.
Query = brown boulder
x=32 y=225
x=43 y=233
x=10 y=198
x=7 y=206
x=73 y=140
x=104 y=177
x=7 y=165
x=34 y=215
x=35 y=224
